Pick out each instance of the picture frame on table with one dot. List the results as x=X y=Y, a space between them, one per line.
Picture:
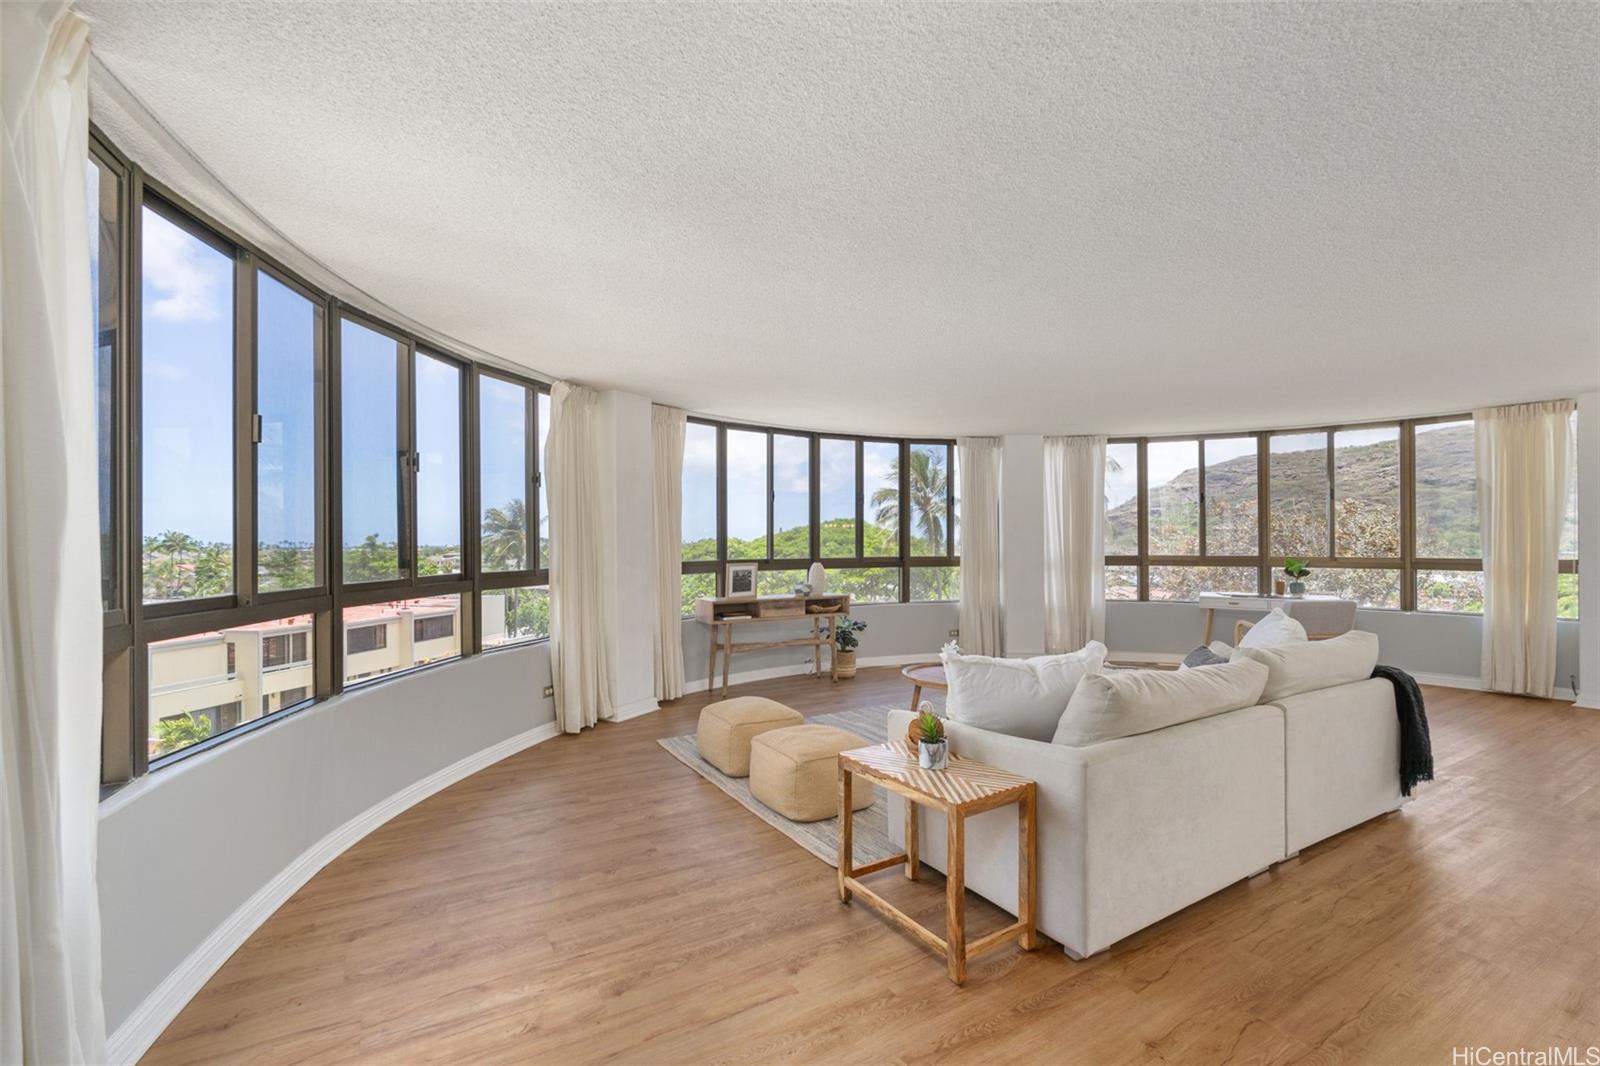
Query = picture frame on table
x=742 y=581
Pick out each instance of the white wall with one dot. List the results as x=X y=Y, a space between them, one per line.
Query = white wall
x=1022 y=546
x=902 y=632
x=184 y=848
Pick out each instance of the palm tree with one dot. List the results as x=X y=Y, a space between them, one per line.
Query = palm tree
x=505 y=536
x=929 y=499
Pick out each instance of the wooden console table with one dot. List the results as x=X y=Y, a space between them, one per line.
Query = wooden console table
x=720 y=614
x=965 y=788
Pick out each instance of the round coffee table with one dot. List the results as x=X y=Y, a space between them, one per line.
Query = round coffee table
x=921 y=676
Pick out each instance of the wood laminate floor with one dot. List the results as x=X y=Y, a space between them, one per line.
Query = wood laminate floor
x=591 y=899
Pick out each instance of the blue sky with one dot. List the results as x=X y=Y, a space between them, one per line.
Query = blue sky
x=188 y=317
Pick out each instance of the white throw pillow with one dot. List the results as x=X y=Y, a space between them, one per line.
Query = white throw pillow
x=1275 y=630
x=1018 y=697
x=1127 y=702
x=1296 y=668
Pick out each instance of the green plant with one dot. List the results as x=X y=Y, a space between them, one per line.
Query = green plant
x=1296 y=568
x=931 y=727
x=181 y=731
x=844 y=633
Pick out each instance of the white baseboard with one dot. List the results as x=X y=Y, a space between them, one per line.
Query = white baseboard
x=147 y=1022
x=634 y=709
x=797 y=669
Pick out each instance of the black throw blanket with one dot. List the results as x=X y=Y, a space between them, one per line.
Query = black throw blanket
x=1416 y=747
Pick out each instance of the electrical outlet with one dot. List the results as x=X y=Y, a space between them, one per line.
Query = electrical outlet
x=549 y=692
x=955 y=632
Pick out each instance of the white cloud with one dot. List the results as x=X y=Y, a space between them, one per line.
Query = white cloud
x=185 y=280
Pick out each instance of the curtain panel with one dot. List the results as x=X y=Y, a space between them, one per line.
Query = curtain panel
x=1074 y=542
x=50 y=610
x=979 y=460
x=580 y=624
x=1522 y=455
x=666 y=435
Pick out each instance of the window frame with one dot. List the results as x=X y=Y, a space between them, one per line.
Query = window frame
x=533 y=575
x=129 y=632
x=902 y=561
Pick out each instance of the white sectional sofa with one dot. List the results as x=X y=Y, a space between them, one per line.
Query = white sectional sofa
x=1136 y=828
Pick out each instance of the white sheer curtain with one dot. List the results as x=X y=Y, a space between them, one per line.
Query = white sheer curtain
x=1074 y=542
x=580 y=629
x=979 y=461
x=50 y=1009
x=666 y=433
x=1522 y=493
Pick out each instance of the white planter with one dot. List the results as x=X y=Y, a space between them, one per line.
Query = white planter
x=933 y=756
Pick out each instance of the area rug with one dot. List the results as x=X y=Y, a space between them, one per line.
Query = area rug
x=870 y=827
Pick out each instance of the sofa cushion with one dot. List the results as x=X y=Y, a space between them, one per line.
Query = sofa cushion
x=1296 y=668
x=1275 y=630
x=1122 y=704
x=1018 y=697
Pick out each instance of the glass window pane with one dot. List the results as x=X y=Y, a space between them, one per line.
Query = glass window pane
x=935 y=584
x=930 y=499
x=1231 y=497
x=1298 y=484
x=543 y=403
x=747 y=494
x=700 y=496
x=1460 y=591
x=695 y=586
x=206 y=684
x=1187 y=582
x=880 y=475
x=369 y=402
x=1122 y=499
x=438 y=466
x=791 y=497
x=1446 y=492
x=389 y=638
x=838 y=477
x=867 y=584
x=1174 y=479
x=287 y=372
x=105 y=300
x=1569 y=524
x=1369 y=588
x=515 y=616
x=1122 y=582
x=778 y=582
x=187 y=434
x=1366 y=493
x=503 y=473
x=1567 y=596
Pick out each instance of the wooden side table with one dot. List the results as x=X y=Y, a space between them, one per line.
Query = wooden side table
x=921 y=676
x=967 y=787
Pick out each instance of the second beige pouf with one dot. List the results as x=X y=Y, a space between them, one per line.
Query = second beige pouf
x=726 y=729
x=795 y=771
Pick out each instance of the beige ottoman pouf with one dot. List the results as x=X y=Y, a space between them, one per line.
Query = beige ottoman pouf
x=726 y=729
x=795 y=771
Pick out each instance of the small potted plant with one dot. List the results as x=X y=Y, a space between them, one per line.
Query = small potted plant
x=1298 y=571
x=933 y=750
x=844 y=644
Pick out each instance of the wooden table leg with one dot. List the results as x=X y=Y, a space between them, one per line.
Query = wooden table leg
x=816 y=647
x=911 y=841
x=916 y=696
x=846 y=827
x=1028 y=867
x=955 y=897
x=711 y=667
x=1205 y=637
x=727 y=657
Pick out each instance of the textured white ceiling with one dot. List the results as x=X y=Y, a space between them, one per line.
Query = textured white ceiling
x=933 y=218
